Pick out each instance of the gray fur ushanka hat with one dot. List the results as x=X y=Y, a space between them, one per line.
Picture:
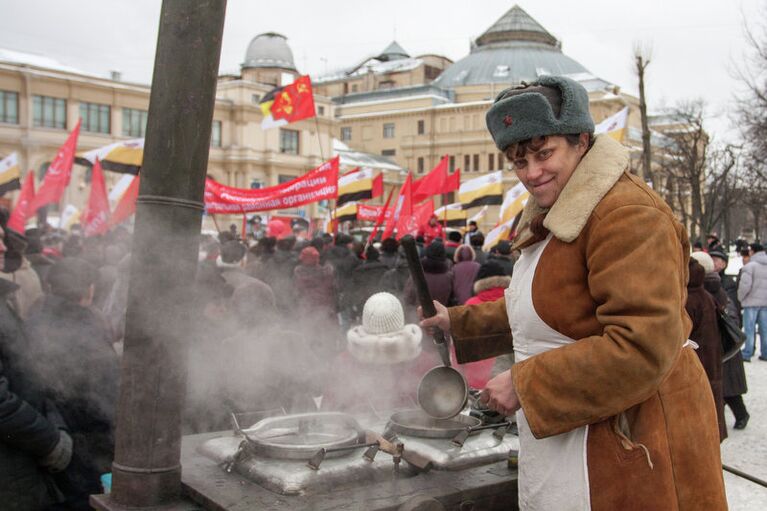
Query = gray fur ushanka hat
x=518 y=114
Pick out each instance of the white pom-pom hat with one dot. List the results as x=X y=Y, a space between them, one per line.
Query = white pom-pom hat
x=705 y=260
x=383 y=337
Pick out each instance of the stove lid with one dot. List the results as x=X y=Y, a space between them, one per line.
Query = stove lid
x=300 y=436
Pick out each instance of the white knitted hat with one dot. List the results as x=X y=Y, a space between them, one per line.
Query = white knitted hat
x=383 y=337
x=705 y=260
x=382 y=314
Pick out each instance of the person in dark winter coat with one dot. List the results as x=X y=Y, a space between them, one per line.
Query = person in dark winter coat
x=477 y=242
x=438 y=276
x=343 y=260
x=464 y=271
x=316 y=294
x=452 y=242
x=389 y=252
x=734 y=383
x=31 y=446
x=502 y=256
x=705 y=332
x=395 y=279
x=71 y=347
x=366 y=280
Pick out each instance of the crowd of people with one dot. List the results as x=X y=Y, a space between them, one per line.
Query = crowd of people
x=279 y=319
x=285 y=322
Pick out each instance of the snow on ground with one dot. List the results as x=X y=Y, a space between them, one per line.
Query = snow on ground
x=746 y=449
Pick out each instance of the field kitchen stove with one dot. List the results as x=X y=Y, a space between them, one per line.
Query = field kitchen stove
x=333 y=461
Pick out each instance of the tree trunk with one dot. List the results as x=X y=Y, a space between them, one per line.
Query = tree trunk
x=646 y=173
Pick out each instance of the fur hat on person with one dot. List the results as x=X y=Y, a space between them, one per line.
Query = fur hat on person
x=720 y=254
x=384 y=338
x=705 y=260
x=552 y=105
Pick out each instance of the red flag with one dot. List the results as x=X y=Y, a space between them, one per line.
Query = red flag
x=96 y=215
x=59 y=173
x=453 y=181
x=377 y=186
x=380 y=219
x=127 y=205
x=295 y=101
x=18 y=219
x=423 y=212
x=406 y=222
x=404 y=206
x=433 y=183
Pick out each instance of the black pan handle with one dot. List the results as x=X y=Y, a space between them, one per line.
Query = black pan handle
x=419 y=282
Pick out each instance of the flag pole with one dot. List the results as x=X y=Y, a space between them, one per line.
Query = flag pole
x=215 y=222
x=444 y=216
x=319 y=140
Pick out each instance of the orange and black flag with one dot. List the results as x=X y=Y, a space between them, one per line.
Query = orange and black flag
x=291 y=103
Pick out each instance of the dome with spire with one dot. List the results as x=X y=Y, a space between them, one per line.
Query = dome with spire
x=515 y=48
x=393 y=52
x=269 y=50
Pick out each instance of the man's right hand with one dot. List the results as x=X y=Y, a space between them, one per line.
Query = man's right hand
x=441 y=320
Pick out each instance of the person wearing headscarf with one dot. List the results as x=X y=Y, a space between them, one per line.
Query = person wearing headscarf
x=613 y=406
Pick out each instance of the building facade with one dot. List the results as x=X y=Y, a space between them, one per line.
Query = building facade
x=406 y=111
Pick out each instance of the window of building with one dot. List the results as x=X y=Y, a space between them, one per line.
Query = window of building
x=388 y=130
x=255 y=98
x=386 y=84
x=476 y=163
x=431 y=72
x=501 y=71
x=491 y=161
x=466 y=163
x=452 y=163
x=320 y=110
x=355 y=87
x=215 y=134
x=421 y=127
x=96 y=117
x=48 y=112
x=256 y=184
x=346 y=133
x=134 y=122
x=288 y=141
x=389 y=152
x=9 y=107
x=420 y=165
x=284 y=178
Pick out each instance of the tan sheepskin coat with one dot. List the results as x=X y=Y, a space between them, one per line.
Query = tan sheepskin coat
x=614 y=278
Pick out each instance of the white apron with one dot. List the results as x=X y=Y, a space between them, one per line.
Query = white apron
x=552 y=471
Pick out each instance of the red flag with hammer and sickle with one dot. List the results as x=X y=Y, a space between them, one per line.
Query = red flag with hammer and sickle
x=295 y=101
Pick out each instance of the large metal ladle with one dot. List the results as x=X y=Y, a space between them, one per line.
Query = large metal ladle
x=443 y=391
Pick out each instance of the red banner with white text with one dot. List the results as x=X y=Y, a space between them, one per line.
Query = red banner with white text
x=316 y=185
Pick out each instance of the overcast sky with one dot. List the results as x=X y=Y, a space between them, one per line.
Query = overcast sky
x=695 y=43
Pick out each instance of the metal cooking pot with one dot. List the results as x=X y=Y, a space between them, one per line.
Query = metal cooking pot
x=443 y=391
x=416 y=423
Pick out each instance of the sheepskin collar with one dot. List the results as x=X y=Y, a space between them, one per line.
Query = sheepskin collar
x=595 y=175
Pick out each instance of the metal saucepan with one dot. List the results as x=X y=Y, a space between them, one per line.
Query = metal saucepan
x=416 y=423
x=443 y=391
